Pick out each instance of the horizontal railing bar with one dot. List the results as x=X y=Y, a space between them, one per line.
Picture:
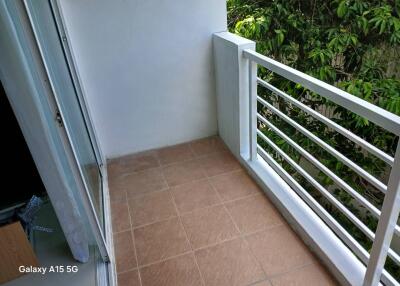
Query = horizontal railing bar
x=394 y=256
x=367 y=176
x=388 y=280
x=357 y=222
x=348 y=134
x=341 y=183
x=361 y=226
x=316 y=207
x=377 y=115
x=362 y=254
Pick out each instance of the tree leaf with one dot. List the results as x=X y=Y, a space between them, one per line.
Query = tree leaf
x=342 y=9
x=383 y=26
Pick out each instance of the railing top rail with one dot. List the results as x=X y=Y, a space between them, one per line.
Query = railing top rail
x=348 y=134
x=377 y=115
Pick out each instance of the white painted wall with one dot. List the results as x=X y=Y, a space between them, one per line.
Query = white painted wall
x=232 y=88
x=146 y=68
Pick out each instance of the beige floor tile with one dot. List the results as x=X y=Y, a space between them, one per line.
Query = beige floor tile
x=113 y=169
x=234 y=185
x=151 y=208
x=156 y=193
x=229 y=264
x=279 y=250
x=219 y=163
x=179 y=271
x=208 y=145
x=124 y=251
x=181 y=173
x=120 y=216
x=160 y=240
x=116 y=190
x=209 y=226
x=133 y=163
x=312 y=275
x=194 y=195
x=144 y=182
x=174 y=154
x=254 y=213
x=130 y=278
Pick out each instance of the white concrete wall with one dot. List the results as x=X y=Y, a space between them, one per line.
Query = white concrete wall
x=232 y=88
x=146 y=68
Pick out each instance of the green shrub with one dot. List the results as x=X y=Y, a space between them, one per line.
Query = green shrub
x=352 y=44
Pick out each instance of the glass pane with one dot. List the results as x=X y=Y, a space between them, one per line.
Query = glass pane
x=66 y=96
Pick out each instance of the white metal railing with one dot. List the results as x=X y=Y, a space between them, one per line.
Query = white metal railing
x=387 y=216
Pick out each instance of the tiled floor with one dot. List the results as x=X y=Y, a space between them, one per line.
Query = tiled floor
x=189 y=215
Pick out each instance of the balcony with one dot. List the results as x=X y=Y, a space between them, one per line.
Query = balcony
x=196 y=209
x=161 y=150
x=191 y=215
x=236 y=61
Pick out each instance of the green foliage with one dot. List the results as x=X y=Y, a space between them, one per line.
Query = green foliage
x=352 y=44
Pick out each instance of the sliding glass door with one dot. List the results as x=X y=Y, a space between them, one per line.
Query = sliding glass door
x=72 y=115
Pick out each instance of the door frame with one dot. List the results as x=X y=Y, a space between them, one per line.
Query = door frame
x=72 y=65
x=83 y=188
x=31 y=70
x=25 y=84
x=76 y=79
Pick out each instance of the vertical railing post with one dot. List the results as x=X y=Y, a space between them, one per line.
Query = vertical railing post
x=386 y=225
x=253 y=109
x=232 y=90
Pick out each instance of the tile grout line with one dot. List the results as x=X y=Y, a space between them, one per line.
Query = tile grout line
x=146 y=194
x=196 y=157
x=259 y=281
x=192 y=151
x=154 y=222
x=171 y=187
x=256 y=259
x=127 y=172
x=224 y=206
x=217 y=243
x=191 y=158
x=167 y=189
x=295 y=268
x=156 y=262
x=154 y=152
x=179 y=214
x=134 y=240
x=160 y=165
x=186 y=212
x=241 y=234
x=184 y=162
x=121 y=231
x=269 y=278
x=199 y=209
x=184 y=230
x=222 y=203
x=237 y=228
x=164 y=259
x=192 y=250
x=130 y=217
x=128 y=270
x=203 y=281
x=209 y=246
